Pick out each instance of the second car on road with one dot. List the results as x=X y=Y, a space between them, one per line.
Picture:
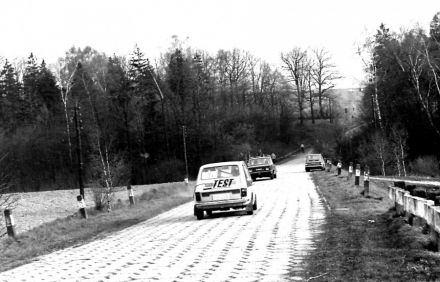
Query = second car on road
x=262 y=167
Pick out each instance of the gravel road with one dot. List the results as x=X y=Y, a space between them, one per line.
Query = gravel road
x=269 y=245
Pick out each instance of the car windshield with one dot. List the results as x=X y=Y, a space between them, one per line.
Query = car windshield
x=224 y=171
x=260 y=161
x=313 y=157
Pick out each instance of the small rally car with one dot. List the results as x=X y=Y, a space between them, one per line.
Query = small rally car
x=314 y=161
x=262 y=167
x=224 y=186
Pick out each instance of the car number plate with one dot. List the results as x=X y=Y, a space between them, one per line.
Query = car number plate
x=221 y=196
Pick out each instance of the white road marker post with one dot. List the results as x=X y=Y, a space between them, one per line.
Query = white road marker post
x=9 y=223
x=339 y=167
x=366 y=181
x=82 y=206
x=130 y=195
x=357 y=174
x=350 y=171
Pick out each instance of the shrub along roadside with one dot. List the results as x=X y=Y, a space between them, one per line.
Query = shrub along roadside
x=364 y=240
x=73 y=230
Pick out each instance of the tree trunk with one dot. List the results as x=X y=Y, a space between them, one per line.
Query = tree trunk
x=396 y=155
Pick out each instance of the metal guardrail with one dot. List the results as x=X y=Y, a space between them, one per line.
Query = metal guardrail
x=416 y=206
x=420 y=182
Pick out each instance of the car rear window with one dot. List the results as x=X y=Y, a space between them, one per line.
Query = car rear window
x=224 y=171
x=314 y=157
x=262 y=161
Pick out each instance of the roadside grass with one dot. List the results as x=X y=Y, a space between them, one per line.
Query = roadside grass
x=363 y=240
x=73 y=230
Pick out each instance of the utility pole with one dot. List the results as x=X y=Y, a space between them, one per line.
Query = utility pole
x=79 y=150
x=184 y=150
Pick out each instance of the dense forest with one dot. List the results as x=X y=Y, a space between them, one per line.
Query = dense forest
x=401 y=115
x=110 y=120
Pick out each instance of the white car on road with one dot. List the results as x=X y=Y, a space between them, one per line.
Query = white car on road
x=224 y=186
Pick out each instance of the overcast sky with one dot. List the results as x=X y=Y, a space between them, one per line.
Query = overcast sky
x=265 y=28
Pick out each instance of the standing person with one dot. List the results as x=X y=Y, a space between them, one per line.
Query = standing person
x=302 y=148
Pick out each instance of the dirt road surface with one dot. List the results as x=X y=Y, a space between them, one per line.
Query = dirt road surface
x=269 y=245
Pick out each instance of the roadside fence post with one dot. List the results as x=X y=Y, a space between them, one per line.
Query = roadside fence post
x=366 y=181
x=357 y=174
x=130 y=195
x=82 y=206
x=350 y=170
x=339 y=167
x=9 y=223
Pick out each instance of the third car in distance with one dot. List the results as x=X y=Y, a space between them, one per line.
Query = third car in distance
x=314 y=161
x=262 y=167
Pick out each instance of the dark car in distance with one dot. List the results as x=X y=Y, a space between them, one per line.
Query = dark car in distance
x=262 y=167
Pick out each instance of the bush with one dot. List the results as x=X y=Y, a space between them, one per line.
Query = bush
x=426 y=165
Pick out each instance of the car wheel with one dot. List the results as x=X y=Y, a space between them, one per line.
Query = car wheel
x=254 y=178
x=275 y=175
x=199 y=214
x=271 y=175
x=255 y=206
x=209 y=213
x=307 y=169
x=250 y=212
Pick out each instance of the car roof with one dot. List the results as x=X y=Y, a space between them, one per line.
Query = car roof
x=222 y=164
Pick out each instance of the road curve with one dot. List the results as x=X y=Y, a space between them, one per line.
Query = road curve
x=269 y=245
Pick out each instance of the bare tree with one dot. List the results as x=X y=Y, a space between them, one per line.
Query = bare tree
x=324 y=74
x=370 y=67
x=310 y=88
x=236 y=71
x=102 y=145
x=415 y=62
x=295 y=63
x=380 y=146
x=399 y=138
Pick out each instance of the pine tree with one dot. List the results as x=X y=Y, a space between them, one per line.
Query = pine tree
x=11 y=104
x=434 y=28
x=47 y=92
x=30 y=77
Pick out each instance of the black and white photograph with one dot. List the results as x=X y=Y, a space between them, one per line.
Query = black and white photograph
x=219 y=140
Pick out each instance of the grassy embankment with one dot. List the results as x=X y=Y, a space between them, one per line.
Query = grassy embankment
x=73 y=230
x=365 y=241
